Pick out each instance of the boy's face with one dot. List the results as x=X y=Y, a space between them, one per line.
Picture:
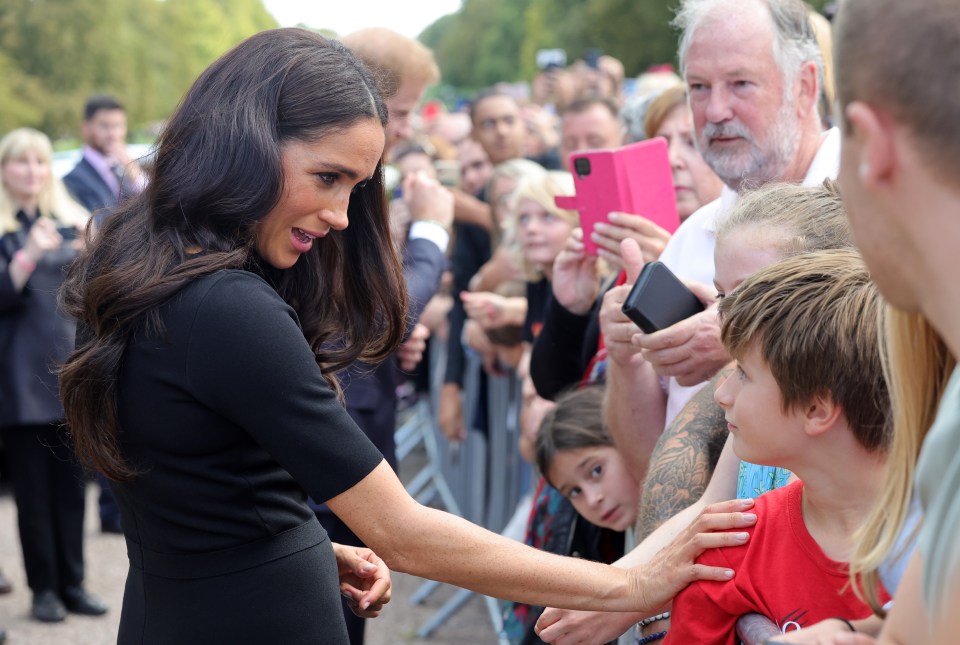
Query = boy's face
x=599 y=484
x=762 y=432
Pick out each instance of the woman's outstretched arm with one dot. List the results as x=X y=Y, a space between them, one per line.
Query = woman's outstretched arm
x=433 y=544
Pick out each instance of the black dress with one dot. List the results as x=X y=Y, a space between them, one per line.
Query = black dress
x=226 y=415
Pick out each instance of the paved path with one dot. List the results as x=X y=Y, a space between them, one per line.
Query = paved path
x=106 y=565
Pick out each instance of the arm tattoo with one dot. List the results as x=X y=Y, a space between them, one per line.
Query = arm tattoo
x=683 y=460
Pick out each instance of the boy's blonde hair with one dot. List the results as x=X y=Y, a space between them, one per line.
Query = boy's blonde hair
x=813 y=320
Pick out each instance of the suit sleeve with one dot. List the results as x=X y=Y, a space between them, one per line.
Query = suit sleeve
x=470 y=250
x=248 y=360
x=423 y=264
x=80 y=191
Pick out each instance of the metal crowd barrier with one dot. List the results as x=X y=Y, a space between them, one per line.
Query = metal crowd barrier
x=481 y=479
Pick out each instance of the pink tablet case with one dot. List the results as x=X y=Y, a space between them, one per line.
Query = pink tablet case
x=634 y=179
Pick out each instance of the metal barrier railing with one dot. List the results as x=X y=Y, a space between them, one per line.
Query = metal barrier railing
x=480 y=479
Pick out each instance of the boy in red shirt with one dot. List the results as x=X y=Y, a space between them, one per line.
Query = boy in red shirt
x=808 y=395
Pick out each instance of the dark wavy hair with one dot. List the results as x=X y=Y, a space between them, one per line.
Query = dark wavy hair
x=218 y=173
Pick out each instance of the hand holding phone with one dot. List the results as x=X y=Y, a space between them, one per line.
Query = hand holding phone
x=634 y=179
x=659 y=299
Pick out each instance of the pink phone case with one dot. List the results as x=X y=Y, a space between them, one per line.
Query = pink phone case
x=634 y=179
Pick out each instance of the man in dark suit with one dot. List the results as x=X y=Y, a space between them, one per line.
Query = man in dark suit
x=105 y=173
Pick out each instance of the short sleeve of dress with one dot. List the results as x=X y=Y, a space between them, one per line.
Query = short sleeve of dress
x=247 y=359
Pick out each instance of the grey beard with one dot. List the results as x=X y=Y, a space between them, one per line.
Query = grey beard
x=762 y=163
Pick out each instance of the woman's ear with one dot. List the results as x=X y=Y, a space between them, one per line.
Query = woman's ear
x=821 y=414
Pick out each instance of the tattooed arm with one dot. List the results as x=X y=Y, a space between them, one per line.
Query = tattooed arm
x=684 y=459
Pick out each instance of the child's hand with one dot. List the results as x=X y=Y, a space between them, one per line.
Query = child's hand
x=576 y=281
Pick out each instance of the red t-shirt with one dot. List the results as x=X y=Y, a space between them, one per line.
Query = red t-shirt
x=781 y=573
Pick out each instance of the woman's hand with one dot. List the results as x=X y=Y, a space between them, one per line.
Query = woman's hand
x=833 y=631
x=364 y=579
x=500 y=268
x=410 y=353
x=617 y=329
x=450 y=413
x=621 y=226
x=42 y=239
x=673 y=568
x=491 y=310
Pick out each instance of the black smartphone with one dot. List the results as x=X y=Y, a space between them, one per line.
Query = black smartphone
x=658 y=299
x=68 y=232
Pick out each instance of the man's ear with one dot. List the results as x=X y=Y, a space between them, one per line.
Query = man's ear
x=874 y=135
x=808 y=88
x=820 y=414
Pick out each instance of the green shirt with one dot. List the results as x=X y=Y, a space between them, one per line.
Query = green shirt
x=938 y=485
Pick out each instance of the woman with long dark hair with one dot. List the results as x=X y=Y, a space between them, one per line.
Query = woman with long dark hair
x=214 y=310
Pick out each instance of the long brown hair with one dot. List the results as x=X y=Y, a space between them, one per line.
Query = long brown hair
x=217 y=174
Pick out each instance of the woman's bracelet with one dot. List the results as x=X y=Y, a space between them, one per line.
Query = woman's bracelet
x=28 y=265
x=846 y=622
x=652 y=619
x=652 y=638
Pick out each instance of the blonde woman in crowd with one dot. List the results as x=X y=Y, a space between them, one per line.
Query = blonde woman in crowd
x=40 y=235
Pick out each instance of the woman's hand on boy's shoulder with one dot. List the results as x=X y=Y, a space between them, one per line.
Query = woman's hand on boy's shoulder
x=675 y=566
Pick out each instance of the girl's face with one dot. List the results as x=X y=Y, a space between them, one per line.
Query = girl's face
x=695 y=183
x=542 y=234
x=318 y=179
x=741 y=253
x=24 y=177
x=599 y=484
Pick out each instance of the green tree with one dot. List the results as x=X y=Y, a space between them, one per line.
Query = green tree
x=496 y=40
x=55 y=53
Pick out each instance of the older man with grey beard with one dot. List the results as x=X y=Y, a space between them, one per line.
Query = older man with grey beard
x=753 y=72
